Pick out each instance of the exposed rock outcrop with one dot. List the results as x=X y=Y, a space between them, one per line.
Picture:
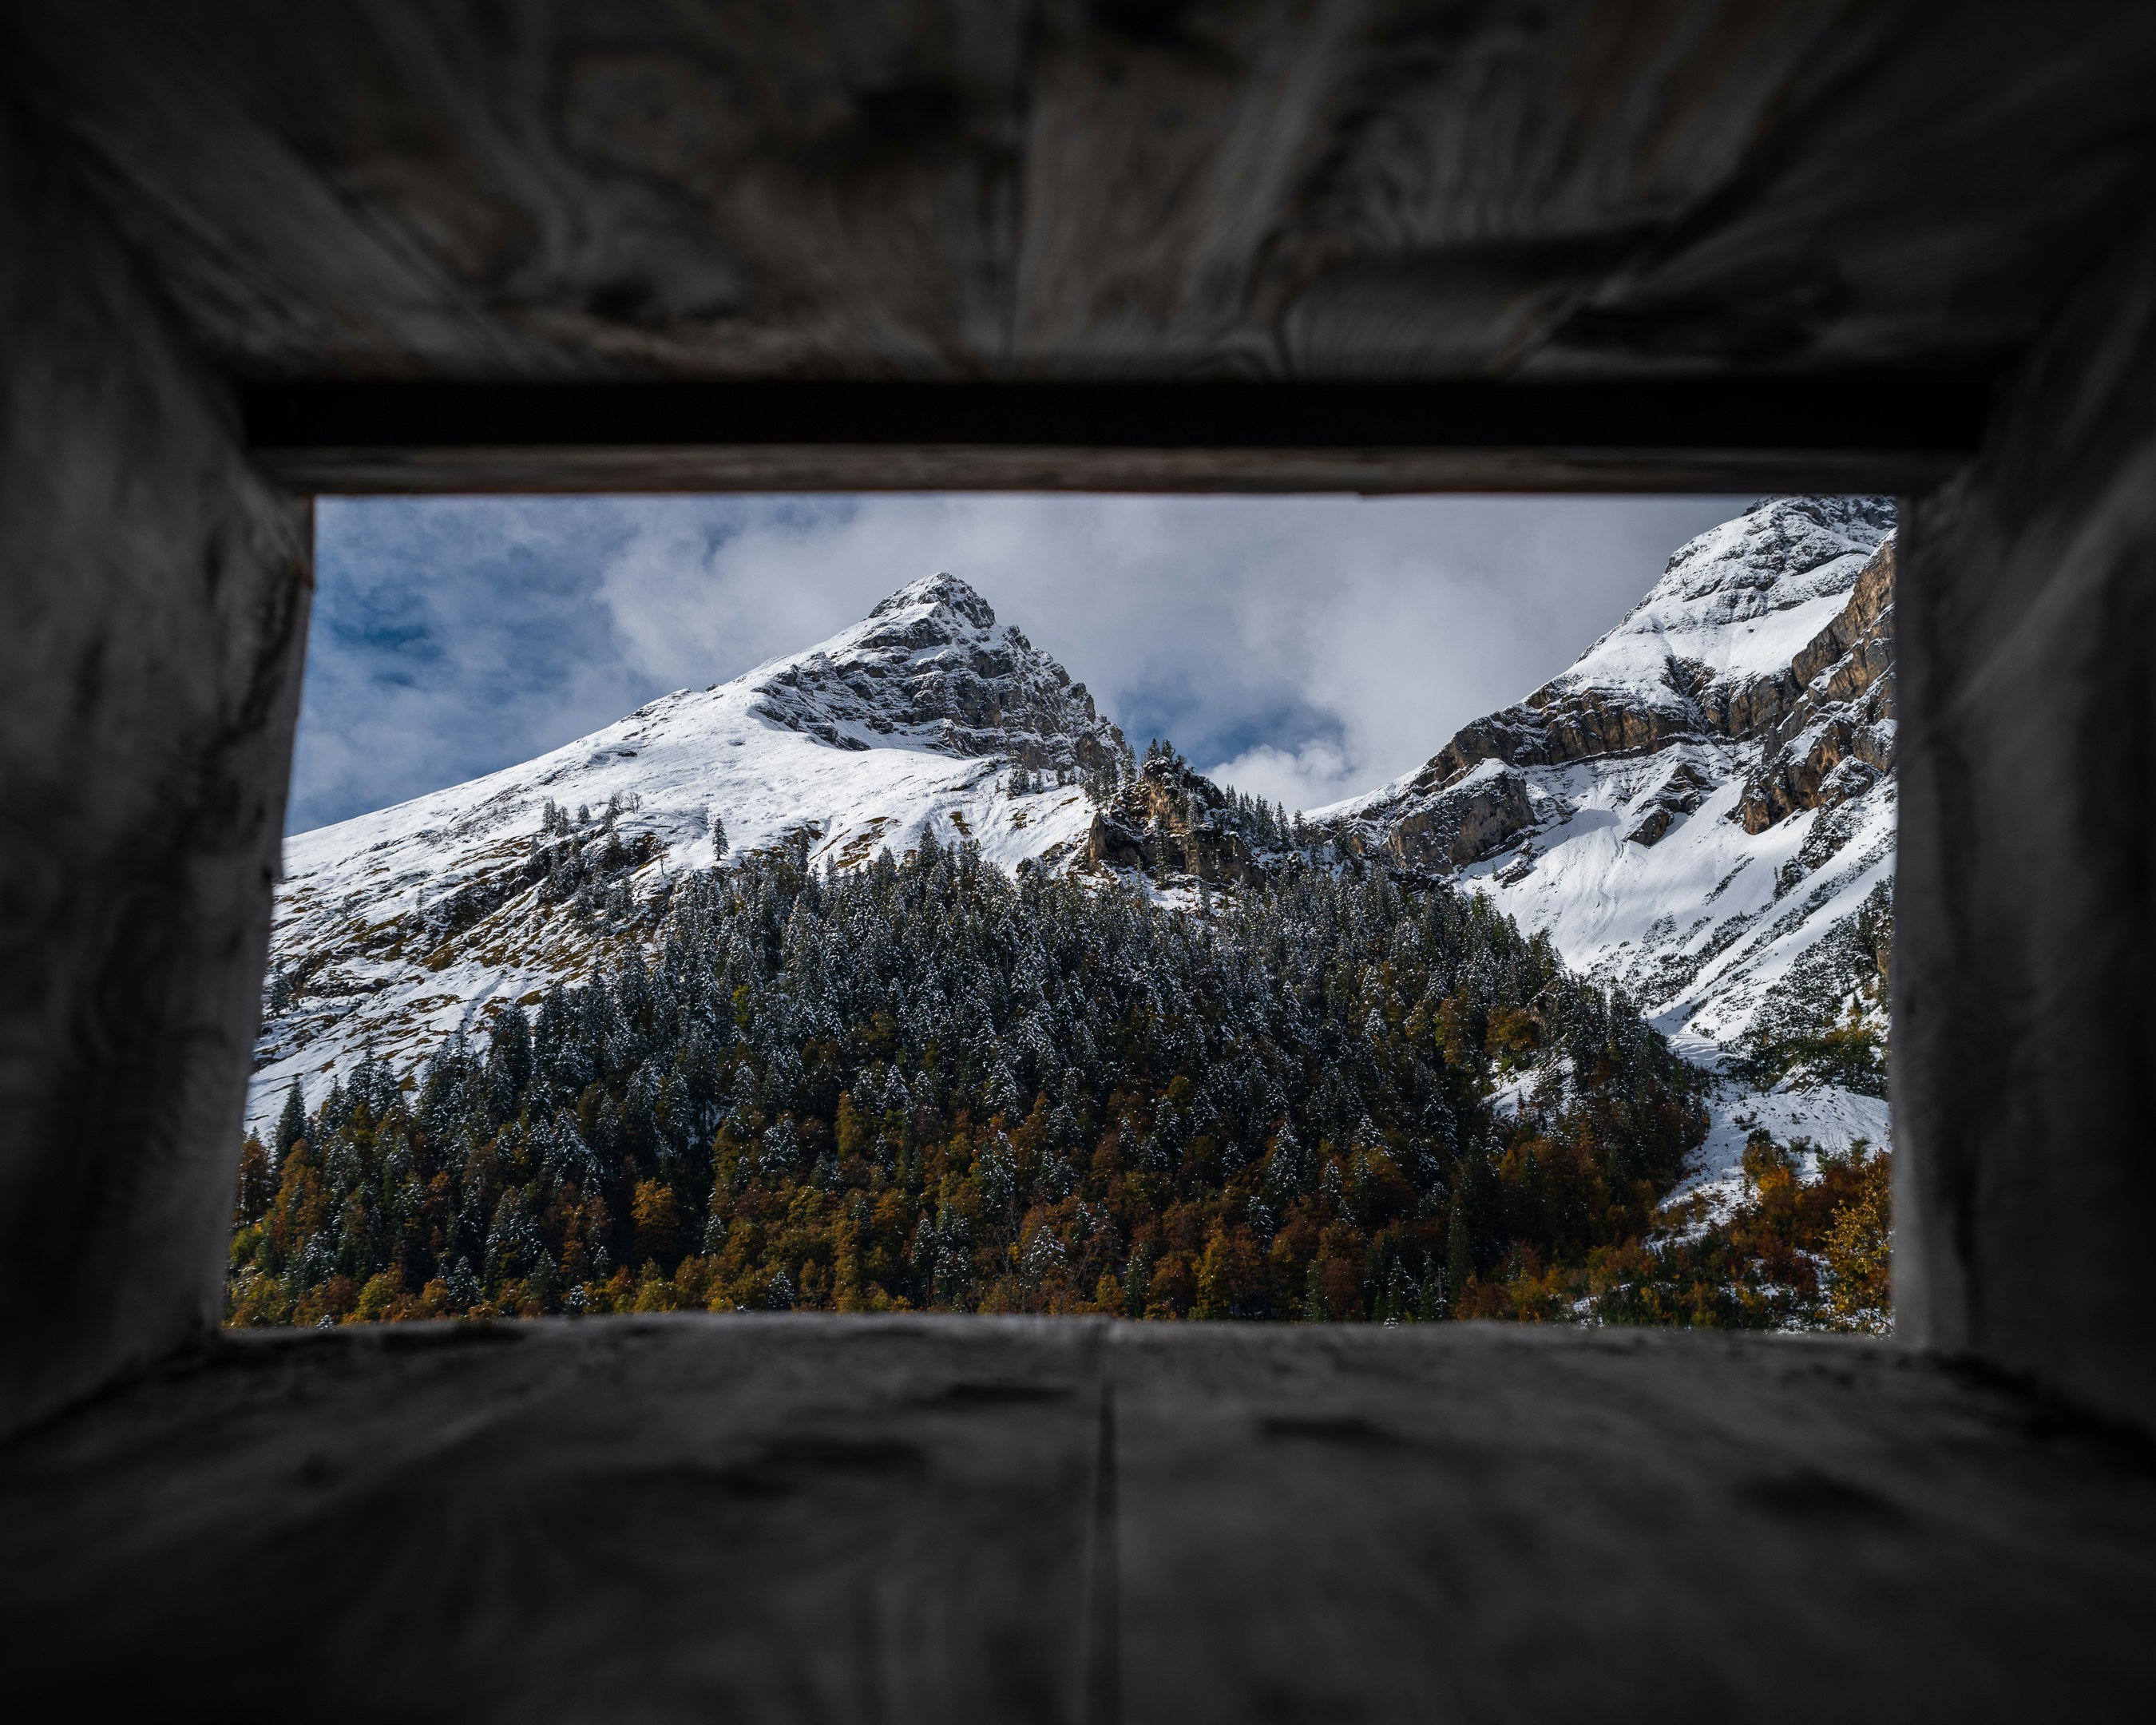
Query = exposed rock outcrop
x=1555 y=725
x=1171 y=821
x=1835 y=738
x=1460 y=823
x=1684 y=788
x=928 y=667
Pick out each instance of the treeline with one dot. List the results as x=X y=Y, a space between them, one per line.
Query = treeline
x=926 y=1085
x=581 y=861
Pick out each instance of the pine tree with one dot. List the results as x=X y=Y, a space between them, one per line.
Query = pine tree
x=1459 y=1254
x=255 y=1190
x=1430 y=1293
x=292 y=1123
x=718 y=835
x=1313 y=1295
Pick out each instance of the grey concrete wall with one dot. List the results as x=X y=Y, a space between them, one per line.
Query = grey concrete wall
x=153 y=602
x=2026 y=964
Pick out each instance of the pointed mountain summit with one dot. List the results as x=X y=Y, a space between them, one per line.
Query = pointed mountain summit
x=395 y=927
x=928 y=668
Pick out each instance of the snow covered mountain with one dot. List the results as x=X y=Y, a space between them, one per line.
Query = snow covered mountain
x=1702 y=809
x=396 y=928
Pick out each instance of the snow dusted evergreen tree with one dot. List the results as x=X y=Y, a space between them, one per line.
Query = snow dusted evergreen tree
x=292 y=1123
x=927 y=1083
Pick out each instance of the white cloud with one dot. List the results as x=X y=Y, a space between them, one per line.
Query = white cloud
x=1306 y=648
x=1308 y=777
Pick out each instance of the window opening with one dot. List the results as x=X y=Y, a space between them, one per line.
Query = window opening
x=1303 y=909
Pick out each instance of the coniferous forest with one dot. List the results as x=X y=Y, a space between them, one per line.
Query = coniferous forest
x=925 y=1085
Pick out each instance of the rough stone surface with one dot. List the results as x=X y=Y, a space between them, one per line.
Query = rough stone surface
x=811 y=1518
x=1449 y=826
x=2023 y=1019
x=151 y=619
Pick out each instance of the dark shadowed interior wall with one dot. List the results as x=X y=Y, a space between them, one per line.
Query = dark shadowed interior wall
x=2025 y=1011
x=153 y=604
x=1753 y=194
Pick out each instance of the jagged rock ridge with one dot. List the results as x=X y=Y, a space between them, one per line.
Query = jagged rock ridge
x=1833 y=737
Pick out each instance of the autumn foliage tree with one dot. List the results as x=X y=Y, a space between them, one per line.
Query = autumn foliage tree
x=1792 y=1252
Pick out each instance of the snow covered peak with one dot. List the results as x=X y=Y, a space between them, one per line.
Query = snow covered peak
x=928 y=668
x=1776 y=541
x=1712 y=651
x=1743 y=597
x=397 y=926
x=940 y=591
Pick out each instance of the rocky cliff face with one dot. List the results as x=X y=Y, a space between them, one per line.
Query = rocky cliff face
x=1832 y=738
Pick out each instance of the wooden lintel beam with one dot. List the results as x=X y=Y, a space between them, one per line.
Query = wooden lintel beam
x=1849 y=433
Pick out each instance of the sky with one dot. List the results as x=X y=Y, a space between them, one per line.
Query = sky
x=1303 y=649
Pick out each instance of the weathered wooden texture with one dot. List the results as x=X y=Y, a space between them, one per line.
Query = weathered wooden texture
x=900 y=1519
x=953 y=188
x=2025 y=1019
x=151 y=616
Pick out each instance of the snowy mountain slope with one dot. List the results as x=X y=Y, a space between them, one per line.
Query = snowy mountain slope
x=1701 y=808
x=395 y=928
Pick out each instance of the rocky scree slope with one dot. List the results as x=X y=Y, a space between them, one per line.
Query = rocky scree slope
x=397 y=927
x=1702 y=809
